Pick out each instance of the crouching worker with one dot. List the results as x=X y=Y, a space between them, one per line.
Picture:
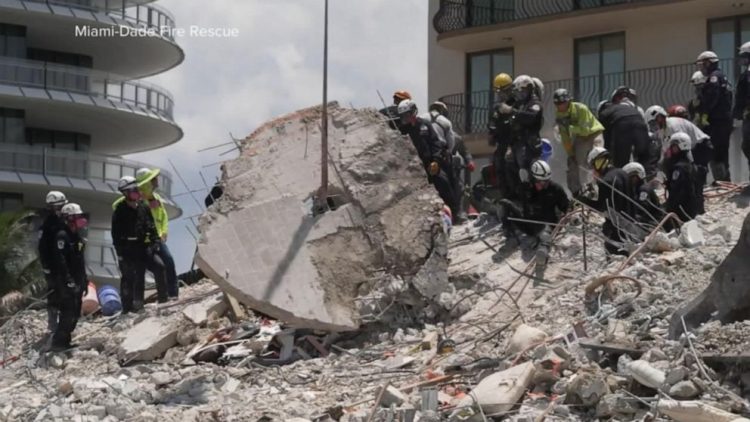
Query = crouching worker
x=684 y=186
x=546 y=202
x=646 y=206
x=69 y=273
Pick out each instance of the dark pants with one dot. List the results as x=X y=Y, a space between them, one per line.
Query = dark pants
x=69 y=309
x=629 y=136
x=613 y=240
x=720 y=133
x=171 y=272
x=444 y=184
x=746 y=139
x=132 y=283
x=53 y=304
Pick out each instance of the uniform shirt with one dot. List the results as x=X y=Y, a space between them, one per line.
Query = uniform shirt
x=578 y=121
x=716 y=98
x=49 y=229
x=132 y=228
x=678 y=124
x=68 y=265
x=158 y=212
x=611 y=186
x=430 y=147
x=742 y=96
x=528 y=120
x=443 y=128
x=501 y=126
x=650 y=207
x=548 y=204
x=682 y=189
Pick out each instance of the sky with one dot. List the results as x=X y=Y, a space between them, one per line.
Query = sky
x=274 y=66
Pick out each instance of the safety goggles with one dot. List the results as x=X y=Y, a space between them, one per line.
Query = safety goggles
x=600 y=162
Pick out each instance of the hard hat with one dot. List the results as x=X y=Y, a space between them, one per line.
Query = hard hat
x=625 y=91
x=71 y=209
x=560 y=96
x=698 y=78
x=56 y=198
x=682 y=140
x=502 y=80
x=745 y=48
x=127 y=183
x=597 y=152
x=539 y=85
x=635 y=168
x=440 y=107
x=541 y=171
x=402 y=95
x=522 y=81
x=707 y=55
x=678 y=110
x=145 y=175
x=407 y=106
x=654 y=111
x=602 y=105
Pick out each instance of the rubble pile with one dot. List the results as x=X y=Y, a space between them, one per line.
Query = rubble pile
x=495 y=336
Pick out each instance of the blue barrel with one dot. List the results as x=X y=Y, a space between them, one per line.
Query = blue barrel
x=546 y=150
x=109 y=300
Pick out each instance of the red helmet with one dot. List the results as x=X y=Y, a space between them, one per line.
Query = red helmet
x=678 y=110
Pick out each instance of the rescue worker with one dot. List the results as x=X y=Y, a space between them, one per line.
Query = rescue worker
x=742 y=100
x=620 y=94
x=612 y=188
x=683 y=187
x=664 y=127
x=137 y=244
x=697 y=80
x=391 y=111
x=463 y=161
x=500 y=126
x=646 y=207
x=579 y=132
x=625 y=133
x=148 y=183
x=429 y=139
x=716 y=105
x=526 y=143
x=69 y=274
x=546 y=202
x=51 y=226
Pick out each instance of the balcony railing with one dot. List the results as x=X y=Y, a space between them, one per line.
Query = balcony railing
x=45 y=75
x=470 y=113
x=52 y=162
x=460 y=14
x=140 y=15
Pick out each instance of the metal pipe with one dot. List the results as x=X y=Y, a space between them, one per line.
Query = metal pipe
x=323 y=194
x=585 y=256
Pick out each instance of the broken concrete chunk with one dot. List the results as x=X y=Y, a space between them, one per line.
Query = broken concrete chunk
x=148 y=340
x=198 y=313
x=392 y=396
x=615 y=405
x=696 y=411
x=525 y=337
x=587 y=388
x=646 y=374
x=684 y=390
x=500 y=391
x=676 y=375
x=691 y=234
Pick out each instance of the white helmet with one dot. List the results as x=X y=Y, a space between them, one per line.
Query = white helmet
x=407 y=106
x=595 y=153
x=655 y=111
x=698 y=78
x=127 y=183
x=541 y=171
x=745 y=48
x=71 y=209
x=56 y=199
x=635 y=168
x=707 y=55
x=539 y=86
x=522 y=81
x=682 y=140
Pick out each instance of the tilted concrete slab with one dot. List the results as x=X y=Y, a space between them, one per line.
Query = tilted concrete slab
x=261 y=243
x=198 y=313
x=148 y=339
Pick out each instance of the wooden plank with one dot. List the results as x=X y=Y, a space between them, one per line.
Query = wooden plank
x=237 y=310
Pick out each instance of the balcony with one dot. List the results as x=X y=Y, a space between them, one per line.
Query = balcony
x=76 y=171
x=454 y=15
x=470 y=113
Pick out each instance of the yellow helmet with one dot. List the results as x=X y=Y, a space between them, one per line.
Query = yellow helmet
x=502 y=80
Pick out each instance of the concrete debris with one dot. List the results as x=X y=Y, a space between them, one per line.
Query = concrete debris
x=199 y=313
x=524 y=337
x=696 y=411
x=684 y=390
x=691 y=234
x=500 y=391
x=587 y=388
x=615 y=405
x=148 y=340
x=646 y=374
x=392 y=396
x=313 y=267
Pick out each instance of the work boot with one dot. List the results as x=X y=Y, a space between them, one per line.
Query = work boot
x=460 y=218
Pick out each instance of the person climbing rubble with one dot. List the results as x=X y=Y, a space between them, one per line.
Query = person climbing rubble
x=646 y=208
x=68 y=271
x=611 y=199
x=391 y=111
x=527 y=118
x=500 y=127
x=579 y=132
x=683 y=183
x=51 y=226
x=429 y=139
x=137 y=243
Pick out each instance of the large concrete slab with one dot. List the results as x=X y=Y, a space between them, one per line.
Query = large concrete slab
x=148 y=339
x=198 y=313
x=262 y=244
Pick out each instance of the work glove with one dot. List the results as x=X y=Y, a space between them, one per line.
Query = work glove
x=433 y=169
x=471 y=167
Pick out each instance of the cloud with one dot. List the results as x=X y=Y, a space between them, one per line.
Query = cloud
x=274 y=67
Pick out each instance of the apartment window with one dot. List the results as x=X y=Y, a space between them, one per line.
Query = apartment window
x=11 y=202
x=487 y=12
x=599 y=67
x=58 y=139
x=11 y=126
x=12 y=40
x=725 y=36
x=482 y=68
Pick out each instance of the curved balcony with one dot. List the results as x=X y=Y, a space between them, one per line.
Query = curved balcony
x=455 y=15
x=80 y=174
x=470 y=113
x=55 y=21
x=122 y=116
